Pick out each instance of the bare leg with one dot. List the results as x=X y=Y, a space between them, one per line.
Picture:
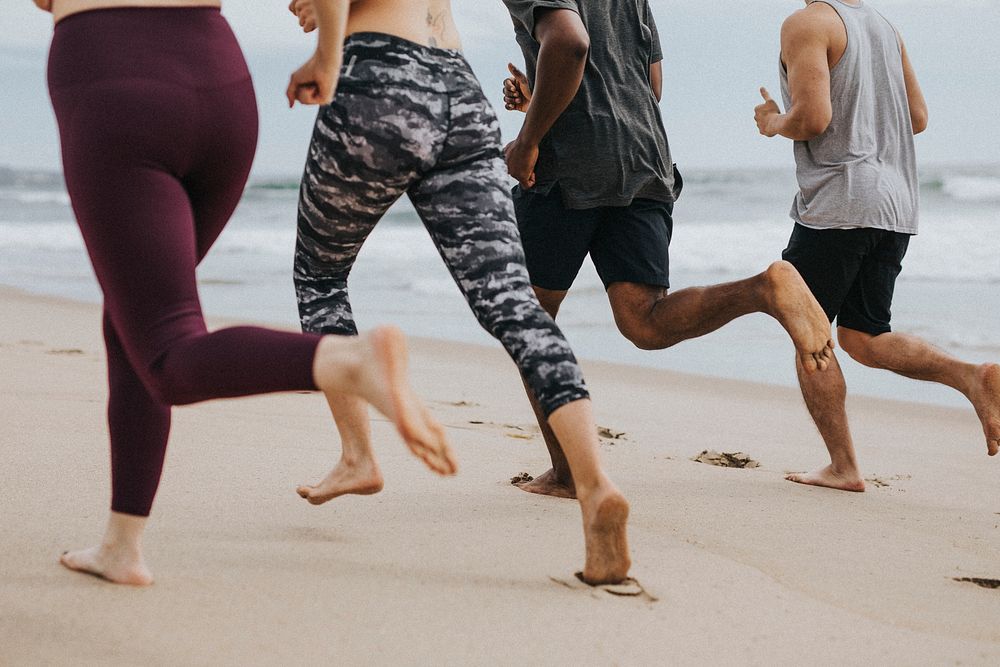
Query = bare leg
x=914 y=358
x=358 y=471
x=118 y=559
x=825 y=394
x=558 y=481
x=605 y=510
x=654 y=320
x=374 y=367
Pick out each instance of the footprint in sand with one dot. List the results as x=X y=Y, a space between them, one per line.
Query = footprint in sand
x=993 y=584
x=523 y=432
x=630 y=588
x=459 y=404
x=883 y=482
x=726 y=459
x=74 y=352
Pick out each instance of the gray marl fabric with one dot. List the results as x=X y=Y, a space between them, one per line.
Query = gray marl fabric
x=861 y=172
x=413 y=120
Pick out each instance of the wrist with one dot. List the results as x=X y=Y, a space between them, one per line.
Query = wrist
x=330 y=55
x=775 y=124
x=526 y=141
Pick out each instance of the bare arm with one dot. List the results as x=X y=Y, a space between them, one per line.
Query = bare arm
x=805 y=44
x=656 y=80
x=561 y=61
x=44 y=5
x=915 y=96
x=316 y=81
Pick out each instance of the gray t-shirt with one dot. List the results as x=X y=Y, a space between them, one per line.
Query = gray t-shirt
x=609 y=147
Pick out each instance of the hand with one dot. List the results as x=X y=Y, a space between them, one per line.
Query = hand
x=521 y=160
x=305 y=11
x=766 y=114
x=44 y=5
x=314 y=82
x=516 y=93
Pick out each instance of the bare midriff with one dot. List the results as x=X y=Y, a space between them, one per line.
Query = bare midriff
x=63 y=8
x=427 y=22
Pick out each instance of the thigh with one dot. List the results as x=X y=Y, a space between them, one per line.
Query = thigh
x=143 y=247
x=829 y=261
x=124 y=144
x=216 y=180
x=556 y=239
x=467 y=211
x=360 y=162
x=632 y=244
x=868 y=306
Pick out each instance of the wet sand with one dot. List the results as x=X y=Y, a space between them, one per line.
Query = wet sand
x=744 y=566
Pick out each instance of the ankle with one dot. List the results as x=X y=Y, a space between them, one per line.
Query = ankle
x=846 y=469
x=356 y=459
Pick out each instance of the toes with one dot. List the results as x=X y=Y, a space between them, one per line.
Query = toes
x=808 y=363
x=304 y=491
x=821 y=362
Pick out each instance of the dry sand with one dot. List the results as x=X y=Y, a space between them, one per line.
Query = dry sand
x=747 y=568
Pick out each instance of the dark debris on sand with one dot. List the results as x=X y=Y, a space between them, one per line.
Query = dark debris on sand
x=609 y=434
x=726 y=459
x=983 y=583
x=521 y=478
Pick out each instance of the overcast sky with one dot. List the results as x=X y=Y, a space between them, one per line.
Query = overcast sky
x=717 y=53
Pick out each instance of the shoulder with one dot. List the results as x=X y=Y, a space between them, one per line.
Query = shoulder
x=817 y=21
x=525 y=12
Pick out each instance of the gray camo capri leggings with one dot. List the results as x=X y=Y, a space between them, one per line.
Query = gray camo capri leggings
x=413 y=120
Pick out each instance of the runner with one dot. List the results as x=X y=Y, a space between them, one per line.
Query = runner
x=596 y=177
x=853 y=105
x=410 y=118
x=158 y=125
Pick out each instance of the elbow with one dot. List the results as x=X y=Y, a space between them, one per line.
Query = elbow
x=814 y=126
x=575 y=45
x=919 y=120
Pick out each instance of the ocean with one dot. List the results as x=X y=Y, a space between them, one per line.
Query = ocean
x=728 y=225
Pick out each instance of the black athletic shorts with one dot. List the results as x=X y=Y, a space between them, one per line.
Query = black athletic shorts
x=626 y=243
x=851 y=272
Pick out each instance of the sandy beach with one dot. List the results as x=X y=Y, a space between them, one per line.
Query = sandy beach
x=745 y=568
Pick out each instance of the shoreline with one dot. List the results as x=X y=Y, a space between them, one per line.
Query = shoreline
x=747 y=568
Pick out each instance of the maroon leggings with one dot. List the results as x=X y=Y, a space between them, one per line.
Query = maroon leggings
x=158 y=123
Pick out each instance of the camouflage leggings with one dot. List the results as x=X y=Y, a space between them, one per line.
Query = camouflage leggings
x=411 y=119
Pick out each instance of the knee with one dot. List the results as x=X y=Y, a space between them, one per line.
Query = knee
x=857 y=345
x=641 y=335
x=175 y=377
x=171 y=386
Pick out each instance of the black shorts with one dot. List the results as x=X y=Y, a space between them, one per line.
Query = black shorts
x=626 y=243
x=851 y=272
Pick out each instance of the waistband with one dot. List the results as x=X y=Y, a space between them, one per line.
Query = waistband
x=151 y=13
x=192 y=47
x=394 y=43
x=377 y=58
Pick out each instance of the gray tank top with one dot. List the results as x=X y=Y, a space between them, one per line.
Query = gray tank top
x=862 y=171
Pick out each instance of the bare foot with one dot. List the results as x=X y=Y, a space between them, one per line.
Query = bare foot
x=375 y=368
x=117 y=565
x=549 y=484
x=605 y=518
x=363 y=479
x=795 y=307
x=830 y=479
x=986 y=399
